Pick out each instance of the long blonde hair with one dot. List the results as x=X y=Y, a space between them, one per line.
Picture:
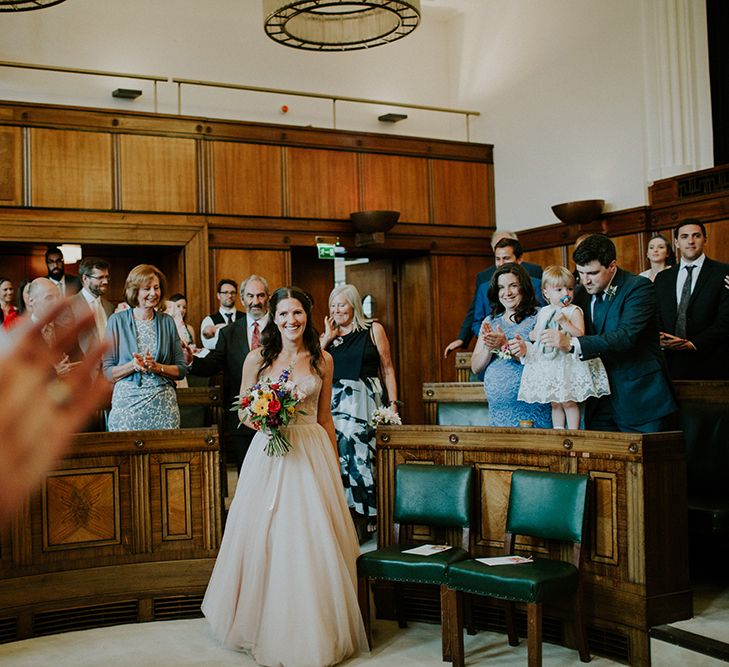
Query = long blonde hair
x=352 y=297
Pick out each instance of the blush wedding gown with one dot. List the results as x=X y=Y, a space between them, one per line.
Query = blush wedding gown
x=284 y=585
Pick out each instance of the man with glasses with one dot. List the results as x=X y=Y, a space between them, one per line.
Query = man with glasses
x=227 y=314
x=94 y=273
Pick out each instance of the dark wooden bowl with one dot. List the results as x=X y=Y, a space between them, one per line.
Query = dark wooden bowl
x=369 y=222
x=579 y=212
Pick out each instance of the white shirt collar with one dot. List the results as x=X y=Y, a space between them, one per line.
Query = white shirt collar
x=699 y=262
x=90 y=298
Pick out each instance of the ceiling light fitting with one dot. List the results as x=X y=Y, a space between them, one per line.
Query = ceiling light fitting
x=126 y=93
x=339 y=25
x=26 y=5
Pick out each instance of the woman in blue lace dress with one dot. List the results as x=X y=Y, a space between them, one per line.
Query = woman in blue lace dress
x=513 y=316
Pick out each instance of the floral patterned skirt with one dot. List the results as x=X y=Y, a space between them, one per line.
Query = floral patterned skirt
x=353 y=402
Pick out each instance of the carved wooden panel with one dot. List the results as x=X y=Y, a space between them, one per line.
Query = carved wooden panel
x=71 y=169
x=11 y=179
x=395 y=183
x=605 y=517
x=630 y=252
x=321 y=183
x=158 y=174
x=547 y=257
x=80 y=508
x=462 y=193
x=717 y=241
x=273 y=265
x=246 y=179
x=176 y=501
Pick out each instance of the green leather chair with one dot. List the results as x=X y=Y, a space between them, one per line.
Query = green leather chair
x=549 y=506
x=429 y=495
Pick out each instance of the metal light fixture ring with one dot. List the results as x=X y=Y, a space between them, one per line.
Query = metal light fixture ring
x=26 y=5
x=339 y=25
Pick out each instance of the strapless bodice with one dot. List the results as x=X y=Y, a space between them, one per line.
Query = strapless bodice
x=310 y=385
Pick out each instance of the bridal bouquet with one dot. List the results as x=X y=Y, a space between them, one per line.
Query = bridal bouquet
x=385 y=415
x=270 y=406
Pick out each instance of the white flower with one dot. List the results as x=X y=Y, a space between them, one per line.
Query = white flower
x=385 y=415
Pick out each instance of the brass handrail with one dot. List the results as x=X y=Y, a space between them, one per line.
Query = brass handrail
x=89 y=72
x=324 y=96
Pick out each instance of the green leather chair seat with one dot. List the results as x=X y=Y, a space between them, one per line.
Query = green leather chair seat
x=528 y=582
x=392 y=564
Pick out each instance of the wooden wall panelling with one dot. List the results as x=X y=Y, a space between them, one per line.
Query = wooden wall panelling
x=453 y=285
x=11 y=166
x=415 y=363
x=71 y=169
x=273 y=265
x=463 y=193
x=321 y=183
x=158 y=174
x=717 y=241
x=246 y=179
x=630 y=252
x=396 y=183
x=546 y=257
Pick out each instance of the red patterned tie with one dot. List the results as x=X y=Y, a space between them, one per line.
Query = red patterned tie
x=256 y=337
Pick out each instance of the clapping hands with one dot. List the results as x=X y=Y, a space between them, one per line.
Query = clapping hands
x=494 y=339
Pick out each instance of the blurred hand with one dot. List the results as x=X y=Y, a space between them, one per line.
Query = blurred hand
x=517 y=346
x=453 y=345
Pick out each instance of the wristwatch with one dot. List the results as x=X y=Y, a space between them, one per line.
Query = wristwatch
x=572 y=347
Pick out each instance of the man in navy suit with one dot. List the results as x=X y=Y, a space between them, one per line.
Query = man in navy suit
x=693 y=309
x=622 y=330
x=235 y=341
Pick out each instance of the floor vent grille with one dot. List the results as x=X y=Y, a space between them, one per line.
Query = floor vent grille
x=8 y=630
x=609 y=643
x=177 y=607
x=83 y=618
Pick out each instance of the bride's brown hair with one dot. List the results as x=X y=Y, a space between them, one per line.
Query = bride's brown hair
x=271 y=336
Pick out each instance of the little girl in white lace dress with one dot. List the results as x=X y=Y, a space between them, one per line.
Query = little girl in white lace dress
x=551 y=375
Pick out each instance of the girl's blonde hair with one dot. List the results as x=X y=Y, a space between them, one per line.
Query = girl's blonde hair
x=557 y=276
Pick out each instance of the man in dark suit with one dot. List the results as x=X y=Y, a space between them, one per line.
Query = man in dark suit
x=67 y=283
x=466 y=332
x=693 y=309
x=622 y=330
x=94 y=273
x=235 y=341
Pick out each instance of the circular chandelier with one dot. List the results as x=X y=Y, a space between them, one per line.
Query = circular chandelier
x=26 y=5
x=339 y=25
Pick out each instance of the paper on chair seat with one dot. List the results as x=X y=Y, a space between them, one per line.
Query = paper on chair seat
x=504 y=560
x=428 y=549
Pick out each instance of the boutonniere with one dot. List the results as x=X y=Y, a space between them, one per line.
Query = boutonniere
x=611 y=291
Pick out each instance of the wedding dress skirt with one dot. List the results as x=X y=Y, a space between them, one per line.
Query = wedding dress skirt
x=284 y=586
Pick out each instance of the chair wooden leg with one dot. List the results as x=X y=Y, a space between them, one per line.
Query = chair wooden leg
x=467 y=607
x=534 y=634
x=580 y=630
x=399 y=608
x=511 y=632
x=451 y=612
x=363 y=597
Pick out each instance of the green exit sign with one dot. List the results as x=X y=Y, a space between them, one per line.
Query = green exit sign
x=326 y=250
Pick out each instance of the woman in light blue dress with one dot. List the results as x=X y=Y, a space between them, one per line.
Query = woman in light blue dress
x=513 y=316
x=144 y=358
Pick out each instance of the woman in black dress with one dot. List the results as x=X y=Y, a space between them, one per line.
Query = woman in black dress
x=361 y=354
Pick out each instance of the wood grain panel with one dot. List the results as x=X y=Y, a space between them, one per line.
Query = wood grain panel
x=395 y=183
x=605 y=517
x=80 y=508
x=246 y=179
x=630 y=252
x=415 y=360
x=273 y=265
x=158 y=174
x=316 y=277
x=11 y=178
x=717 y=241
x=453 y=290
x=71 y=169
x=176 y=501
x=545 y=257
x=321 y=184
x=463 y=193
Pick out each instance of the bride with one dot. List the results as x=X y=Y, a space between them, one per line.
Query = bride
x=284 y=586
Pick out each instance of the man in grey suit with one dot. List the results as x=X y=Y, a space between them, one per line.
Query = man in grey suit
x=622 y=330
x=94 y=273
x=235 y=341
